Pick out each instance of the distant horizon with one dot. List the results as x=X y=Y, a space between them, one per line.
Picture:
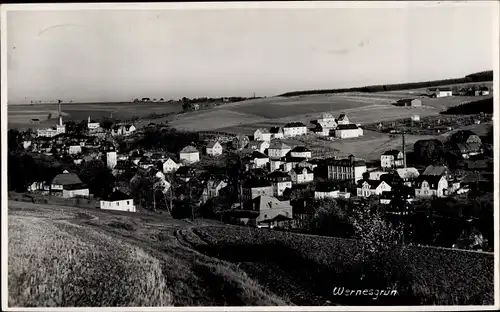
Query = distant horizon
x=248 y=97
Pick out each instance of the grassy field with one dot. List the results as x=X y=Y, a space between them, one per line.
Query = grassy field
x=67 y=256
x=308 y=267
x=20 y=115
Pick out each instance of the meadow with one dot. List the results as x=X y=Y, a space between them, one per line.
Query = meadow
x=73 y=257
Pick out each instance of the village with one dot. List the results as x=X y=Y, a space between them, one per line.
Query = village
x=272 y=182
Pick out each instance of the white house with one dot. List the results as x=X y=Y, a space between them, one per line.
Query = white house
x=293 y=129
x=53 y=131
x=391 y=159
x=212 y=189
x=439 y=92
x=301 y=175
x=431 y=186
x=375 y=175
x=326 y=194
x=214 y=148
x=278 y=150
x=118 y=201
x=260 y=146
x=92 y=125
x=301 y=152
x=415 y=118
x=346 y=169
x=407 y=175
x=367 y=188
x=276 y=133
x=280 y=181
x=262 y=134
x=68 y=185
x=189 y=155
x=327 y=120
x=258 y=159
x=280 y=164
x=124 y=130
x=169 y=166
x=346 y=131
x=74 y=149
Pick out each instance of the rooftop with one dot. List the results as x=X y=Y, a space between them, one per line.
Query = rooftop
x=189 y=149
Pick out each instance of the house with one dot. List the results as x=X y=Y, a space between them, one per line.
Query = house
x=214 y=148
x=409 y=102
x=439 y=92
x=257 y=160
x=343 y=120
x=482 y=91
x=324 y=190
x=262 y=134
x=39 y=187
x=326 y=120
x=268 y=208
x=346 y=131
x=321 y=130
x=68 y=185
x=346 y=169
x=123 y=130
x=301 y=175
x=431 y=186
x=367 y=188
x=280 y=181
x=293 y=129
x=407 y=175
x=466 y=143
x=391 y=159
x=212 y=188
x=415 y=118
x=301 y=151
x=280 y=164
x=260 y=146
x=118 y=201
x=189 y=155
x=185 y=173
x=74 y=149
x=239 y=142
x=170 y=165
x=276 y=133
x=256 y=187
x=278 y=150
x=92 y=124
x=373 y=175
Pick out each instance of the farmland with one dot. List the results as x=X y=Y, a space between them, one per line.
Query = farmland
x=89 y=257
x=20 y=115
x=311 y=266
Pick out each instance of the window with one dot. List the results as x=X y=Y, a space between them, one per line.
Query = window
x=128 y=202
x=118 y=203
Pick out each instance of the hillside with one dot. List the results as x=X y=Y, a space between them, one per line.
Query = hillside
x=475 y=77
x=89 y=257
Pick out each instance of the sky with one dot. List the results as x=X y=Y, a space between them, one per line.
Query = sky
x=118 y=55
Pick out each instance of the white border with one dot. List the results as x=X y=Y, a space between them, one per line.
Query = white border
x=245 y=5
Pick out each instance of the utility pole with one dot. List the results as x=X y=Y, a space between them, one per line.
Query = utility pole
x=403 y=148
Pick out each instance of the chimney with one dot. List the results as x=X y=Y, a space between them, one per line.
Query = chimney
x=404 y=151
x=88 y=120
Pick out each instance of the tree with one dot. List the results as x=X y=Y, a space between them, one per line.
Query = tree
x=329 y=219
x=106 y=123
x=98 y=177
x=13 y=141
x=429 y=152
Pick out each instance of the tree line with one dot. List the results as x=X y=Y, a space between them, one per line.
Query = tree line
x=475 y=77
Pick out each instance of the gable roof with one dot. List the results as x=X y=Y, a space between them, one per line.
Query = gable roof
x=343 y=116
x=211 y=144
x=347 y=127
x=326 y=115
x=299 y=170
x=435 y=170
x=265 y=202
x=66 y=179
x=433 y=180
x=257 y=154
x=254 y=182
x=276 y=130
x=262 y=130
x=294 y=124
x=117 y=195
x=392 y=152
x=189 y=149
x=277 y=174
x=372 y=183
